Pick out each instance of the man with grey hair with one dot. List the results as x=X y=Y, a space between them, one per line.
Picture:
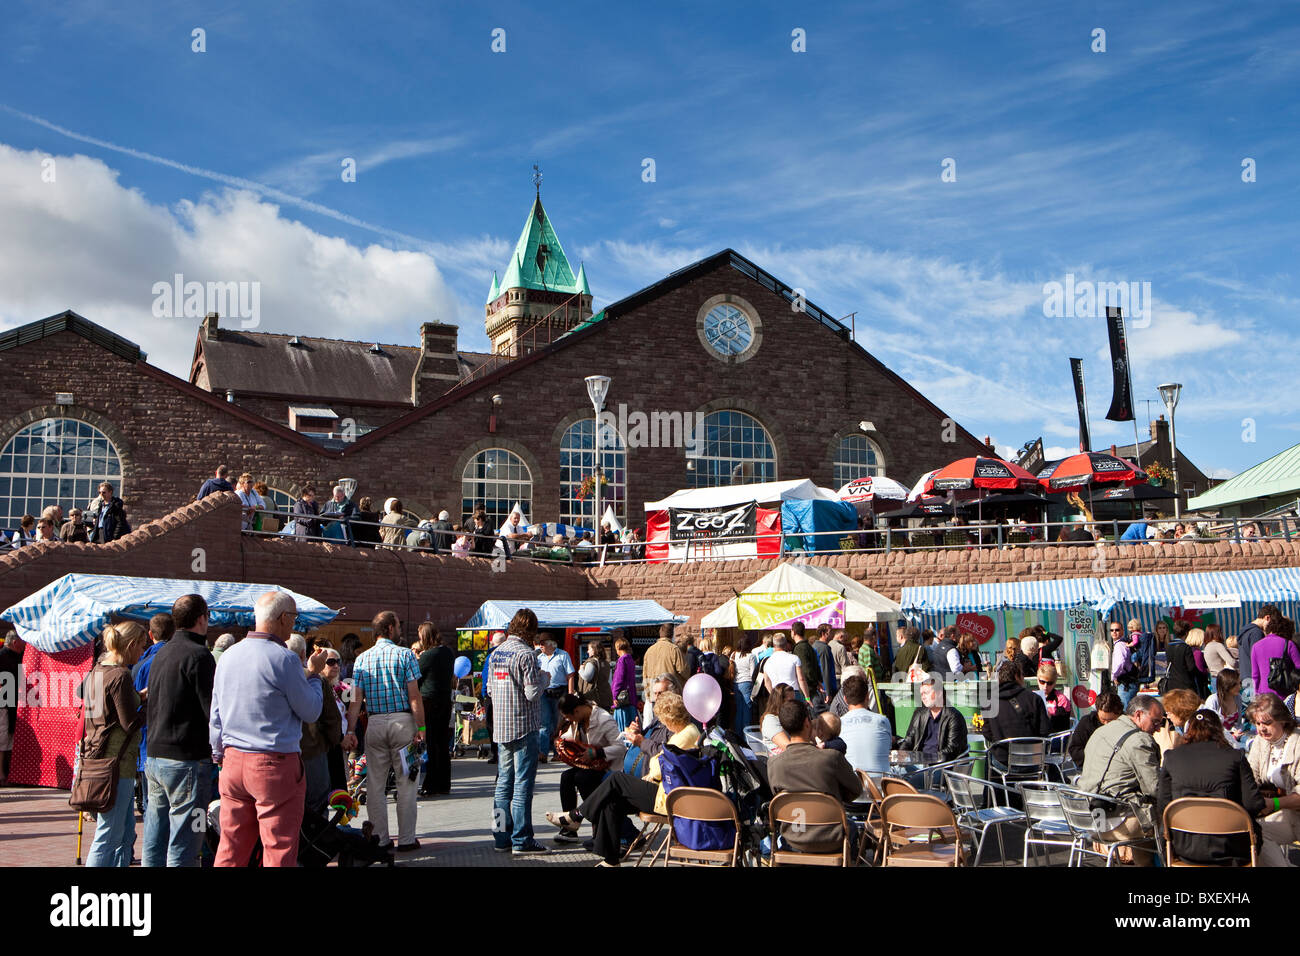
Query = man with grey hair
x=340 y=510
x=1122 y=760
x=224 y=643
x=260 y=700
x=783 y=667
x=443 y=533
x=298 y=644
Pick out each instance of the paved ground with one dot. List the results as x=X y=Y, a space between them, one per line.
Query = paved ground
x=37 y=828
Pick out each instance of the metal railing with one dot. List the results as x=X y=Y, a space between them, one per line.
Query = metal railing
x=987 y=535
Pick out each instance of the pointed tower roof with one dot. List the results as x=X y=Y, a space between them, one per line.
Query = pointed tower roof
x=581 y=281
x=495 y=291
x=538 y=261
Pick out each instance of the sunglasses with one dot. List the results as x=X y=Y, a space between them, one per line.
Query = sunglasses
x=332 y=661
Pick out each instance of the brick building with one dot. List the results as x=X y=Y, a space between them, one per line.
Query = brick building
x=781 y=389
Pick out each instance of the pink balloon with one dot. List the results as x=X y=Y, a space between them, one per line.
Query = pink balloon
x=702 y=697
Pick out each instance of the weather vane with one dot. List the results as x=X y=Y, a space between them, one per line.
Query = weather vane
x=537 y=180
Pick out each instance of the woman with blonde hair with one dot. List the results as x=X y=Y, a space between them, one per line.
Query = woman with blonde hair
x=1058 y=703
x=112 y=715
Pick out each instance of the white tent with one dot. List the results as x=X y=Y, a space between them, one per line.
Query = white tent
x=762 y=492
x=861 y=603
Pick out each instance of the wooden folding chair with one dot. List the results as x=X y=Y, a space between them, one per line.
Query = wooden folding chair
x=807 y=809
x=704 y=806
x=1207 y=816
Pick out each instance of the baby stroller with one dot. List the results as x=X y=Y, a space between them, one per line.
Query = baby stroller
x=468 y=709
x=744 y=779
x=321 y=838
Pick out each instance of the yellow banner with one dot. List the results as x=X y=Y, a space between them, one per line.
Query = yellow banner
x=767 y=612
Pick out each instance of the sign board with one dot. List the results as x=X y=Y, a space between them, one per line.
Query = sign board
x=1203 y=601
x=713 y=524
x=766 y=612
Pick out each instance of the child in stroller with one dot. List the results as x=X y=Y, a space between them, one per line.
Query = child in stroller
x=321 y=839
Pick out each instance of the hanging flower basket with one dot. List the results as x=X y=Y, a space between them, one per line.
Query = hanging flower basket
x=588 y=486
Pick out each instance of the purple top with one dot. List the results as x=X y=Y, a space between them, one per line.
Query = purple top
x=625 y=679
x=1265 y=649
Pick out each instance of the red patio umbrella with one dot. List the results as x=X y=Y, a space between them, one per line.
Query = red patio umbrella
x=986 y=474
x=1090 y=468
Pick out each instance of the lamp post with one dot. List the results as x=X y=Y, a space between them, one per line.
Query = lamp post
x=597 y=389
x=1169 y=393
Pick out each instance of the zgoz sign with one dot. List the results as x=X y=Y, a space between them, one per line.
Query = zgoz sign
x=690 y=523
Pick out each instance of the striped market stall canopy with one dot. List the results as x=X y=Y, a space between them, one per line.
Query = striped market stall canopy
x=72 y=611
x=495 y=615
x=1234 y=596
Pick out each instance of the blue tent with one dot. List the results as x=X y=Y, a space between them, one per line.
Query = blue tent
x=74 y=610
x=800 y=518
x=495 y=615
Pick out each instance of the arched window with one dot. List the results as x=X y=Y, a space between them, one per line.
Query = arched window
x=576 y=465
x=494 y=480
x=279 y=501
x=737 y=450
x=56 y=461
x=857 y=457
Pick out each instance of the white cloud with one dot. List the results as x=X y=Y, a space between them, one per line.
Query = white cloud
x=86 y=243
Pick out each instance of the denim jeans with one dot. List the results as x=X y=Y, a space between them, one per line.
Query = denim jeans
x=743 y=691
x=624 y=716
x=550 y=712
x=512 y=805
x=115 y=829
x=178 y=797
x=1127 y=692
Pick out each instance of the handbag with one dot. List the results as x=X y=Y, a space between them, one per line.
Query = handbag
x=94 y=787
x=1283 y=679
x=623 y=698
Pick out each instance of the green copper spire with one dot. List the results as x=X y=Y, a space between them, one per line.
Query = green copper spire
x=495 y=290
x=581 y=281
x=538 y=261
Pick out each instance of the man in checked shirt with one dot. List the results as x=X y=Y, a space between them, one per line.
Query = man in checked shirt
x=516 y=684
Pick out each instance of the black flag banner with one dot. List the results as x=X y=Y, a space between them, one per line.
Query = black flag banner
x=1080 y=399
x=1121 y=404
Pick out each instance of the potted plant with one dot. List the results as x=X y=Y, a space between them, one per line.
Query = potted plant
x=1158 y=474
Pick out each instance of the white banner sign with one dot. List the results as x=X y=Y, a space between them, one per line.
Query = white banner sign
x=1204 y=601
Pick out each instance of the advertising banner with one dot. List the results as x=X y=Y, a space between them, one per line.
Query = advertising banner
x=770 y=612
x=714 y=524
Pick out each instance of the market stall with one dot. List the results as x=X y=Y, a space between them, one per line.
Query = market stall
x=810 y=593
x=60 y=624
x=567 y=618
x=746 y=521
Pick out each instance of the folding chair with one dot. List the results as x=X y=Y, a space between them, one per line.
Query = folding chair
x=930 y=779
x=934 y=838
x=1044 y=816
x=704 y=806
x=808 y=809
x=652 y=829
x=1091 y=826
x=1026 y=759
x=1207 y=816
x=1058 y=758
x=975 y=802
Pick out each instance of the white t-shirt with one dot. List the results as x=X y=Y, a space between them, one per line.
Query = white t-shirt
x=770 y=726
x=783 y=667
x=507 y=529
x=744 y=667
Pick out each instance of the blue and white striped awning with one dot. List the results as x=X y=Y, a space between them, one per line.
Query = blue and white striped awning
x=495 y=615
x=74 y=610
x=1055 y=595
x=1134 y=592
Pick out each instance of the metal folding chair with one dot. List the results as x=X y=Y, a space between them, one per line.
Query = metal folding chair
x=1045 y=823
x=1091 y=816
x=1025 y=759
x=975 y=803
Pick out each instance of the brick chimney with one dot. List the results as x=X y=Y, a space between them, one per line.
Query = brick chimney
x=1160 y=432
x=211 y=329
x=438 y=368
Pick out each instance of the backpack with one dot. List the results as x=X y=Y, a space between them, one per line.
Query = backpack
x=1126 y=668
x=1283 y=678
x=693 y=768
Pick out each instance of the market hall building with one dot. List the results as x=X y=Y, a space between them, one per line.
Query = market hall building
x=780 y=387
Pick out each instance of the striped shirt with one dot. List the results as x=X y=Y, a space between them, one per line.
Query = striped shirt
x=382 y=673
x=515 y=684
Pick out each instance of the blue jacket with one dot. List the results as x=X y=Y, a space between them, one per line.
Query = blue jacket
x=1144 y=658
x=140 y=676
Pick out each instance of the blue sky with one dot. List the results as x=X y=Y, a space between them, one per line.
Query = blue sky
x=823 y=166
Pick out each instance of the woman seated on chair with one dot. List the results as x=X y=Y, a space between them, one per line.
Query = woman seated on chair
x=774 y=738
x=1206 y=765
x=621 y=795
x=588 y=741
x=1274 y=757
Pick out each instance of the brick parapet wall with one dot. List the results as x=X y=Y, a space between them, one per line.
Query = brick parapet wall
x=447 y=590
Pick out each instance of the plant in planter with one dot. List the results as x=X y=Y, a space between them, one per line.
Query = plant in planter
x=1158 y=474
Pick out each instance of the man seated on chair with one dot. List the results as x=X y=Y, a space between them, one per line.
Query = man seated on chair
x=936 y=729
x=867 y=735
x=622 y=794
x=1122 y=761
x=805 y=767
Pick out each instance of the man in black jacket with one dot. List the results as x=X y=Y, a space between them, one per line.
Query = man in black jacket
x=105 y=517
x=936 y=728
x=1018 y=711
x=443 y=533
x=179 y=764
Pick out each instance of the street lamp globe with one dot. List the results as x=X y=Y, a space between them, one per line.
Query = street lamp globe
x=1169 y=393
x=597 y=389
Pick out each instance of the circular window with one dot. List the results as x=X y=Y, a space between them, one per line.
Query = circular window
x=729 y=328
